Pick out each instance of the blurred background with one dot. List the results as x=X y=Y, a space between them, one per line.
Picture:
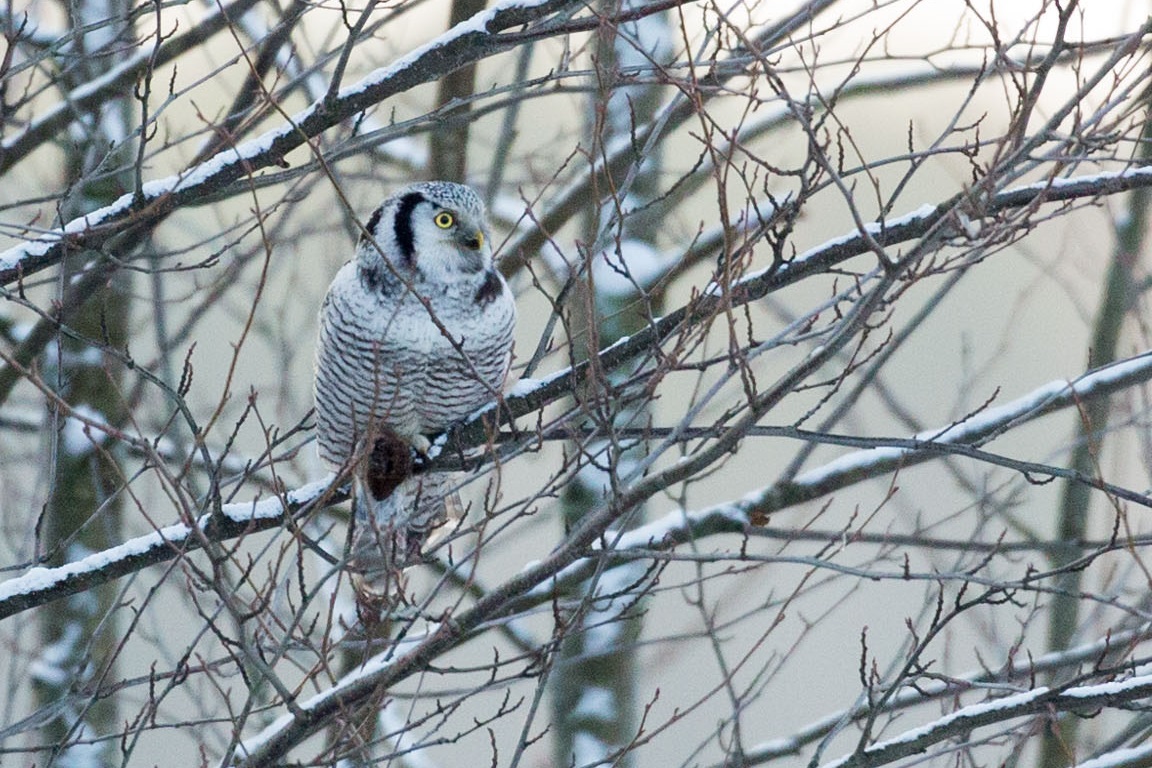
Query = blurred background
x=812 y=231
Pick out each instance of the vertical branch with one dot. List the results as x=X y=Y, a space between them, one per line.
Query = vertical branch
x=78 y=636
x=354 y=739
x=82 y=515
x=593 y=686
x=448 y=158
x=1116 y=301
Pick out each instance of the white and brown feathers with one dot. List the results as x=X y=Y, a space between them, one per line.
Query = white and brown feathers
x=415 y=334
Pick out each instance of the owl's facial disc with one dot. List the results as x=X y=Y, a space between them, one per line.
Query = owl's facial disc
x=460 y=233
x=433 y=230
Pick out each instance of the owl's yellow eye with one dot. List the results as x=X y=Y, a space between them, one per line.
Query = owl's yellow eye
x=444 y=220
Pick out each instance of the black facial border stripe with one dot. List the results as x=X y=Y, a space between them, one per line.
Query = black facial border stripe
x=405 y=239
x=370 y=227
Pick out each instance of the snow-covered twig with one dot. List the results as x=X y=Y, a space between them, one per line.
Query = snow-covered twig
x=1087 y=698
x=927 y=690
x=43 y=585
x=485 y=34
x=975 y=431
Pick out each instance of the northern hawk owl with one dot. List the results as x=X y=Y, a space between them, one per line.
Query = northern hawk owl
x=415 y=334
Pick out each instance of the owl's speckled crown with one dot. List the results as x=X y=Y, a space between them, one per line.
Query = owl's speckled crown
x=448 y=194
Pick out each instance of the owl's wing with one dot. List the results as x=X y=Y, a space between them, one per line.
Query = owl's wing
x=364 y=374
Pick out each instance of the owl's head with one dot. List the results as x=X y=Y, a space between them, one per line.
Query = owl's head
x=434 y=230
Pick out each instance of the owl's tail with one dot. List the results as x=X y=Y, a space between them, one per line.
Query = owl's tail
x=394 y=515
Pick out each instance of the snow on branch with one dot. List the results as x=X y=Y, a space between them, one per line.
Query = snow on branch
x=479 y=37
x=43 y=585
x=945 y=220
x=253 y=750
x=971 y=432
x=1132 y=756
x=953 y=213
x=754 y=508
x=928 y=690
x=92 y=93
x=1039 y=701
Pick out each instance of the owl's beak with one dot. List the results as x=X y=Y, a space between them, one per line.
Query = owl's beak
x=473 y=241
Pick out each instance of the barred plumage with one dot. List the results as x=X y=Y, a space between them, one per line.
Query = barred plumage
x=415 y=334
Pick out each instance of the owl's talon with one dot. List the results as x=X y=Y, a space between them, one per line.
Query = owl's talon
x=421 y=444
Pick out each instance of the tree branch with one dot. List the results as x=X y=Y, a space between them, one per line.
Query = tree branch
x=44 y=585
x=475 y=39
x=1039 y=701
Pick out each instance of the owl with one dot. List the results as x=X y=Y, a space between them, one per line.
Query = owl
x=415 y=335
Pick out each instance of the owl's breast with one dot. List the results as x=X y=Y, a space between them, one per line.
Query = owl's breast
x=468 y=356
x=412 y=363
